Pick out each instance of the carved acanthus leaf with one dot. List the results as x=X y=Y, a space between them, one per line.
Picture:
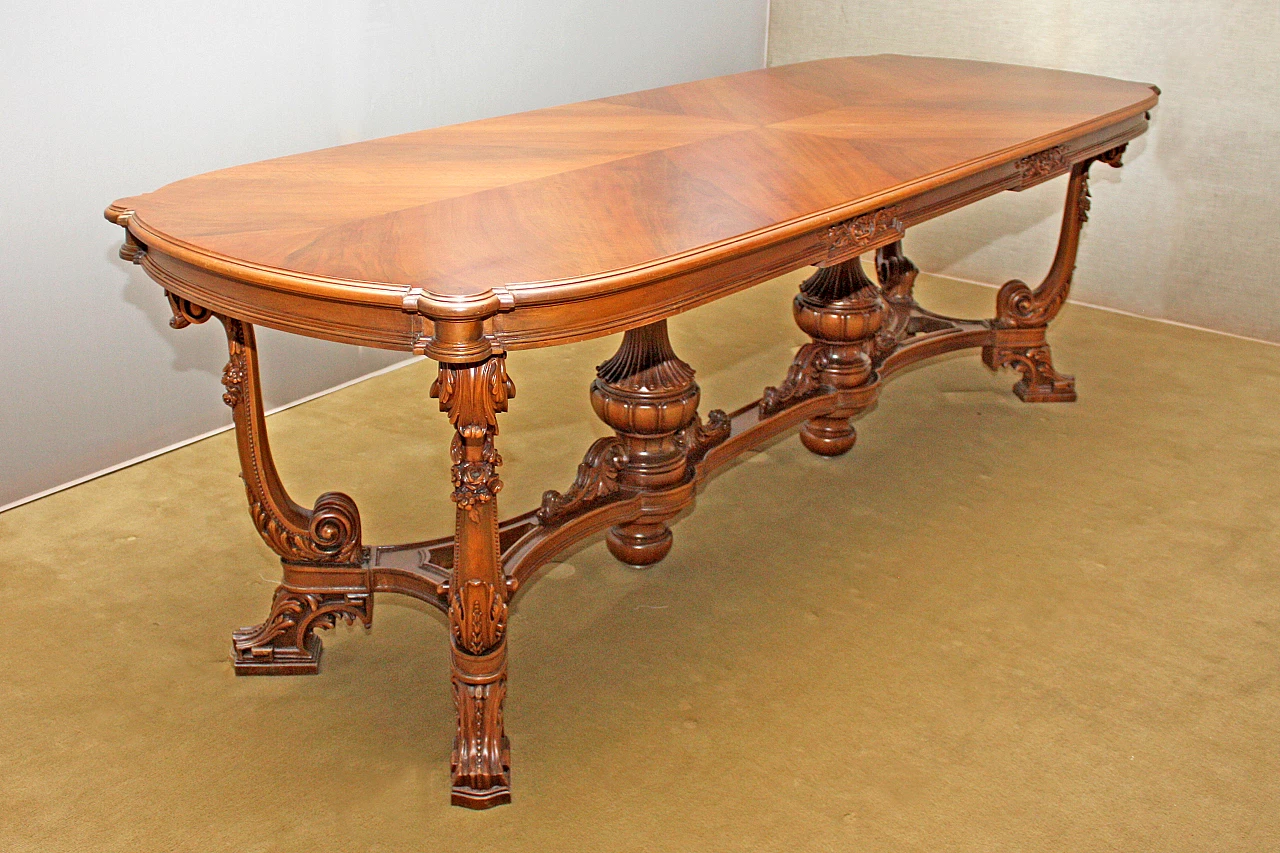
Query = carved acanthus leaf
x=474 y=394
x=597 y=480
x=697 y=438
x=804 y=380
x=478 y=614
x=856 y=235
x=293 y=616
x=1042 y=164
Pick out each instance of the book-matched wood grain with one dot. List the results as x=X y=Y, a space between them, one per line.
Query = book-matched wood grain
x=641 y=204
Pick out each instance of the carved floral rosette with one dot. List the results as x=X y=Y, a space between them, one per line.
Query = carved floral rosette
x=861 y=233
x=1042 y=165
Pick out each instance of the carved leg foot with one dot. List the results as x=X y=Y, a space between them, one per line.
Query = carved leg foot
x=481 y=761
x=1040 y=382
x=286 y=644
x=639 y=545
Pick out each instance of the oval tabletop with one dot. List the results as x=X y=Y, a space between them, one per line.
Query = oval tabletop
x=555 y=205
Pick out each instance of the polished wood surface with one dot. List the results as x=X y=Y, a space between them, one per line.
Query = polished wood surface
x=532 y=222
x=610 y=216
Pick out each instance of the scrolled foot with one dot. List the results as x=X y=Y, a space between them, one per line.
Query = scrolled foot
x=639 y=545
x=828 y=436
x=1040 y=382
x=286 y=643
x=481 y=761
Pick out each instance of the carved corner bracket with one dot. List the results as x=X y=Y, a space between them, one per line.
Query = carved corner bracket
x=185 y=312
x=1113 y=157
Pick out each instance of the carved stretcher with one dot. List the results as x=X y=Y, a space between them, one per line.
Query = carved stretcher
x=464 y=243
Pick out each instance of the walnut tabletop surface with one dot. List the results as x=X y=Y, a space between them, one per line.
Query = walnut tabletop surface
x=545 y=223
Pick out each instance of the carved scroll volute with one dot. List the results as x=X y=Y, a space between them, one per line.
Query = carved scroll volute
x=185 y=312
x=473 y=395
x=327 y=534
x=1020 y=307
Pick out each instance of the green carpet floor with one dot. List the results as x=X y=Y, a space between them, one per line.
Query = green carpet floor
x=991 y=627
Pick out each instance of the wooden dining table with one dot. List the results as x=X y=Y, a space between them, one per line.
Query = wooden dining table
x=467 y=242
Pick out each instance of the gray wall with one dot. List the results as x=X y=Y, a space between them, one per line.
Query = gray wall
x=1189 y=229
x=103 y=100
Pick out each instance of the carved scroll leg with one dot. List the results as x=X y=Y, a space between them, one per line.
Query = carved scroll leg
x=1023 y=314
x=841 y=310
x=324 y=575
x=473 y=394
x=647 y=394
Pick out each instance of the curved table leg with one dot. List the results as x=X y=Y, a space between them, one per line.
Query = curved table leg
x=320 y=549
x=1023 y=315
x=472 y=395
